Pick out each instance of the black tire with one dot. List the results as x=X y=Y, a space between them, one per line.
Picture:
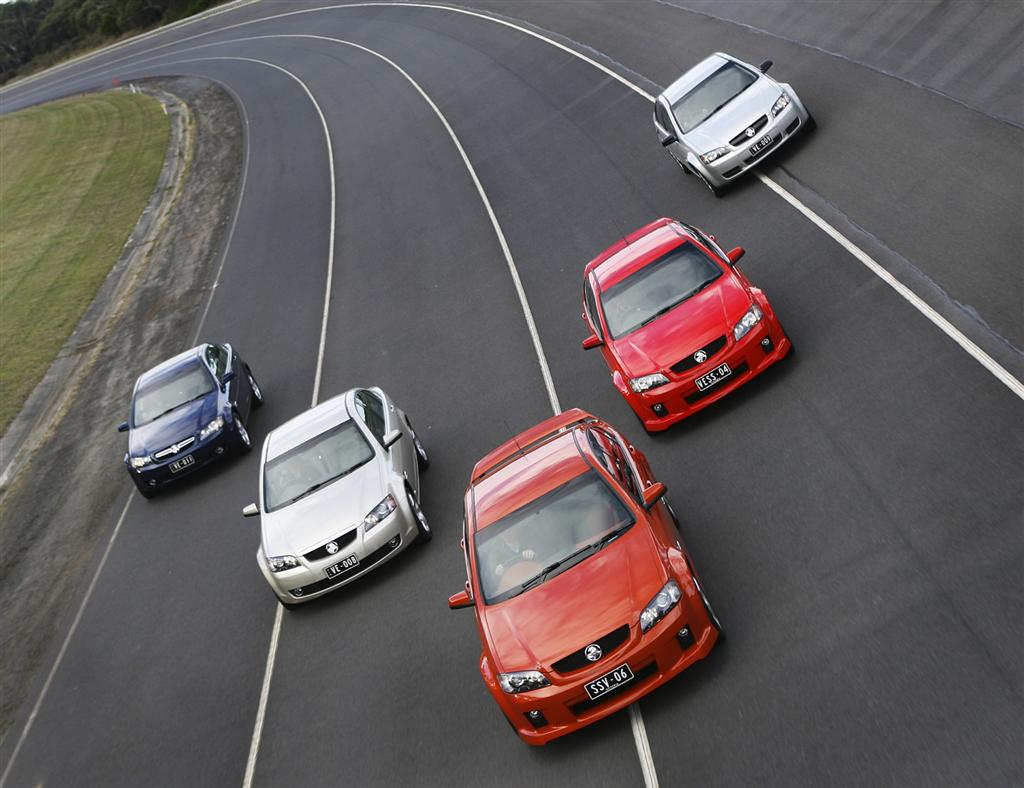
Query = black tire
x=145 y=491
x=257 y=392
x=715 y=622
x=423 y=532
x=243 y=441
x=422 y=458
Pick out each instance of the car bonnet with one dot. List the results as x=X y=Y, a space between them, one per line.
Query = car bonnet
x=735 y=116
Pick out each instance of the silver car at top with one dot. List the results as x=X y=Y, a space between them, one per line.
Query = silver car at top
x=339 y=494
x=723 y=116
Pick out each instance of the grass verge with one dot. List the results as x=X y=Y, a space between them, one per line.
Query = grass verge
x=75 y=176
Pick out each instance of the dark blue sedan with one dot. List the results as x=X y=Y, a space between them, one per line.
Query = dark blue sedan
x=187 y=412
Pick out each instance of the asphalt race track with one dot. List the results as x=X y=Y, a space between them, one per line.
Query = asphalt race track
x=856 y=512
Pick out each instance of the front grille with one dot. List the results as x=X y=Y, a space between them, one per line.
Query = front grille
x=321 y=552
x=639 y=677
x=174 y=448
x=738 y=371
x=689 y=362
x=743 y=138
x=763 y=151
x=578 y=659
x=366 y=563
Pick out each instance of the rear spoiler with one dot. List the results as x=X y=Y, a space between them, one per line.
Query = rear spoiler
x=530 y=439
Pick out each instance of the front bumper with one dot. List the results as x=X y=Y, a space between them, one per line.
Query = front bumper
x=680 y=398
x=782 y=127
x=654 y=657
x=309 y=580
x=159 y=473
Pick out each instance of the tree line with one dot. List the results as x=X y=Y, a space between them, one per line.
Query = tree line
x=35 y=34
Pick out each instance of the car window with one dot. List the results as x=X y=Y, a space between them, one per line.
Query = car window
x=216 y=359
x=512 y=553
x=313 y=464
x=170 y=392
x=656 y=288
x=661 y=115
x=711 y=95
x=595 y=321
x=609 y=452
x=371 y=411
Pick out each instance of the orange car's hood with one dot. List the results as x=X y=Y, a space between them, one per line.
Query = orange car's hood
x=583 y=603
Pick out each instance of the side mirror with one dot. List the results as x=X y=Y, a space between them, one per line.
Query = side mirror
x=765 y=66
x=669 y=140
x=592 y=341
x=227 y=377
x=653 y=494
x=460 y=600
x=391 y=438
x=122 y=427
x=736 y=254
x=252 y=510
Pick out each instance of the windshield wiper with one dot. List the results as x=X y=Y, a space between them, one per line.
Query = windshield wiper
x=542 y=575
x=674 y=304
x=175 y=407
x=308 y=490
x=600 y=543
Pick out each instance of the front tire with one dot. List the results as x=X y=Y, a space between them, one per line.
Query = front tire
x=422 y=459
x=423 y=532
x=712 y=616
x=243 y=441
x=257 y=392
x=718 y=191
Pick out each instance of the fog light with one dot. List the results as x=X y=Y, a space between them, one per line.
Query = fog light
x=298 y=591
x=151 y=482
x=394 y=542
x=659 y=409
x=219 y=450
x=536 y=718
x=766 y=344
x=685 y=637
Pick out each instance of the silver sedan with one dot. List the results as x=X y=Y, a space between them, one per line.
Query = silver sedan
x=723 y=116
x=339 y=494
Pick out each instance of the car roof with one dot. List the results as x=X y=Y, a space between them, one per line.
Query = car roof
x=306 y=425
x=170 y=365
x=695 y=76
x=640 y=251
x=530 y=475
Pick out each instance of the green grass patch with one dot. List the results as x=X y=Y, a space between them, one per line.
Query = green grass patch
x=75 y=176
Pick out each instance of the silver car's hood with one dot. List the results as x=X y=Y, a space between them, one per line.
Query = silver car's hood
x=332 y=510
x=735 y=116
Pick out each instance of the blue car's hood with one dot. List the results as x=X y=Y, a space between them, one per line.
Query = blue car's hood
x=173 y=427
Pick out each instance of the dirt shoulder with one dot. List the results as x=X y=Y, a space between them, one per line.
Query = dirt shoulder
x=60 y=506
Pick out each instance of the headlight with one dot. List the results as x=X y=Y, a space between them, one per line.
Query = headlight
x=214 y=426
x=281 y=562
x=711 y=155
x=523 y=681
x=780 y=104
x=664 y=601
x=141 y=462
x=748 y=321
x=640 y=385
x=380 y=512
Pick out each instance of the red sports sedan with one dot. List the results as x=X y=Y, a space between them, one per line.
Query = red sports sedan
x=678 y=323
x=585 y=596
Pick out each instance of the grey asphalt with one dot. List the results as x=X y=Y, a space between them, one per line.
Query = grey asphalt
x=856 y=512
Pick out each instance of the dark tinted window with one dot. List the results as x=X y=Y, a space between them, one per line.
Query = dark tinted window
x=711 y=95
x=656 y=288
x=168 y=393
x=661 y=115
x=610 y=453
x=371 y=411
x=216 y=359
x=313 y=464
x=588 y=295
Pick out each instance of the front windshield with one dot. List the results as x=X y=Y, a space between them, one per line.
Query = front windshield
x=513 y=553
x=711 y=95
x=656 y=288
x=311 y=465
x=167 y=394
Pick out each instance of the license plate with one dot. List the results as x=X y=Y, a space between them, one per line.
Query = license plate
x=609 y=681
x=343 y=566
x=184 y=462
x=715 y=376
x=761 y=144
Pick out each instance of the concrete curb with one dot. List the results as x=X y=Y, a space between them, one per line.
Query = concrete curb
x=53 y=395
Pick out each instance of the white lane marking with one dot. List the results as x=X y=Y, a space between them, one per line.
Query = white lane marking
x=261 y=711
x=117 y=527
x=643 y=746
x=64 y=645
x=223 y=9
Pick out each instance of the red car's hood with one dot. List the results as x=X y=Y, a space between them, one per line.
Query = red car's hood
x=583 y=603
x=683 y=330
